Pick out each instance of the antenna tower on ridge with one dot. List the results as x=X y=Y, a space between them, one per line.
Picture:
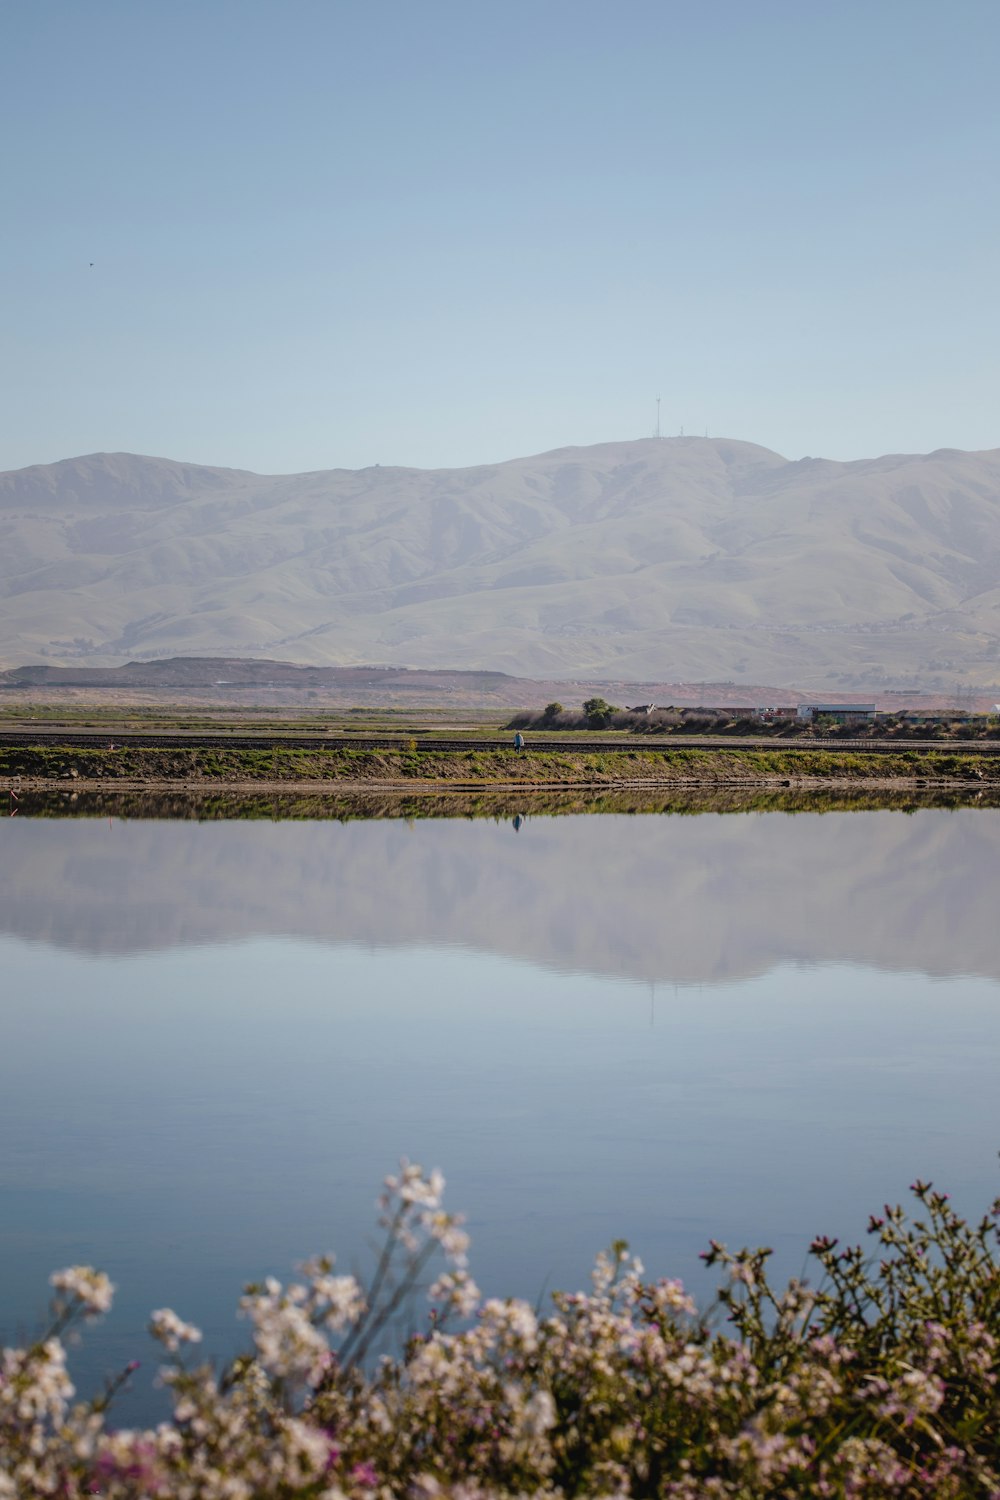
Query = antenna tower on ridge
x=657 y=433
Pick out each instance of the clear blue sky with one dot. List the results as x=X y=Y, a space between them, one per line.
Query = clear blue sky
x=439 y=232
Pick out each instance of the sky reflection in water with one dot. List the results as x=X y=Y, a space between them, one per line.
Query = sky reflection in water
x=217 y=1039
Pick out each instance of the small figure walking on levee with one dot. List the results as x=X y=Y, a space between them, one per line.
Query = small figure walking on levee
x=519 y=742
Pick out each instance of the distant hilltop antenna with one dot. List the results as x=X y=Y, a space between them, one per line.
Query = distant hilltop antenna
x=657 y=433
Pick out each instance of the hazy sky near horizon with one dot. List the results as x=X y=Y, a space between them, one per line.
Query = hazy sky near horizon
x=328 y=234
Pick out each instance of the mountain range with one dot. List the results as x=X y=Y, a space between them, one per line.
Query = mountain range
x=659 y=559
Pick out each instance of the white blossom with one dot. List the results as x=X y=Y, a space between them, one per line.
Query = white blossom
x=287 y=1342
x=343 y=1298
x=455 y=1291
x=512 y=1321
x=34 y=1384
x=538 y=1414
x=411 y=1186
x=172 y=1331
x=89 y=1287
x=446 y=1229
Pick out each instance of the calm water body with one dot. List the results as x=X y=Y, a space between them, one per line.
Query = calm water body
x=218 y=1037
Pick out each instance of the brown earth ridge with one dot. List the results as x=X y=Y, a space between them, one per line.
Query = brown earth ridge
x=243 y=681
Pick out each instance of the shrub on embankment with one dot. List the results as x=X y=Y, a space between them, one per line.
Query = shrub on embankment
x=882 y=1380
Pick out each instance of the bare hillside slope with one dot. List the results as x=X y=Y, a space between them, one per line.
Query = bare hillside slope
x=676 y=558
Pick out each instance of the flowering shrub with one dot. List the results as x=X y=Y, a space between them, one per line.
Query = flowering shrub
x=881 y=1381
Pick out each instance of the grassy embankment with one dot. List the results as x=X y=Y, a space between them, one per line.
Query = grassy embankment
x=474 y=767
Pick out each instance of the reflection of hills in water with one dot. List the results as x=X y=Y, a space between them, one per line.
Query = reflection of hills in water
x=653 y=898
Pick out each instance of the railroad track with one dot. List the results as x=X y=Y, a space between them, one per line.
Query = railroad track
x=98 y=739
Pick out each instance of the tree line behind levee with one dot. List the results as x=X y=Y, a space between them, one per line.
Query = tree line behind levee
x=597 y=713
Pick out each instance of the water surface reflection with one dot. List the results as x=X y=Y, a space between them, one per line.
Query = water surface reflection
x=671 y=899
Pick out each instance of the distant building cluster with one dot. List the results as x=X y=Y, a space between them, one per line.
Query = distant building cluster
x=818 y=711
x=840 y=713
x=843 y=713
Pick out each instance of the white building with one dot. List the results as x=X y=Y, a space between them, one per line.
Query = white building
x=844 y=713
